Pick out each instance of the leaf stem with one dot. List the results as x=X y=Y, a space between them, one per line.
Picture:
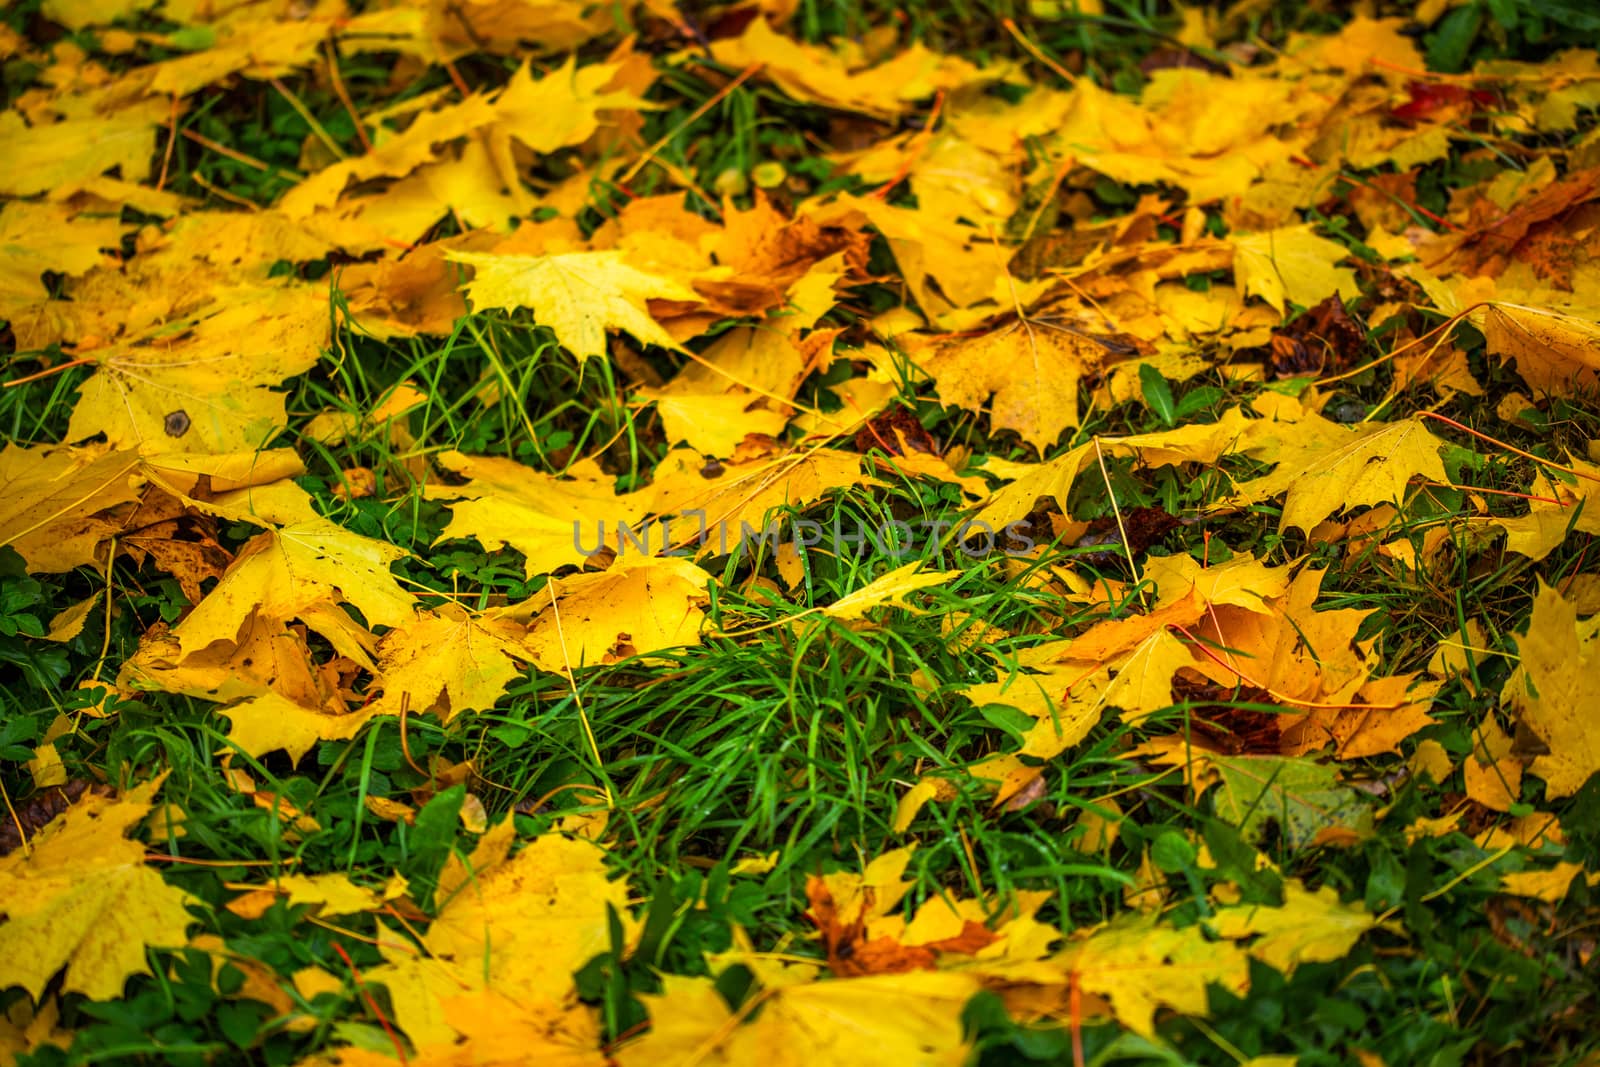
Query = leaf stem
x=1509 y=448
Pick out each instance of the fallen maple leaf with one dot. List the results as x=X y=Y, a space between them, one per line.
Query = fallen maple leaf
x=1552 y=691
x=398 y=155
x=1342 y=467
x=851 y=951
x=1553 y=351
x=579 y=295
x=49 y=495
x=888 y=590
x=271 y=721
x=206 y=388
x=640 y=605
x=912 y=1018
x=559 y=109
x=1140 y=967
x=1551 y=886
x=544 y=517
x=1030 y=368
x=522 y=925
x=448 y=661
x=265 y=655
x=717 y=508
x=1308 y=928
x=737 y=387
x=1067 y=699
x=1291 y=264
x=62 y=153
x=1401 y=710
x=80 y=897
x=281 y=573
x=811 y=73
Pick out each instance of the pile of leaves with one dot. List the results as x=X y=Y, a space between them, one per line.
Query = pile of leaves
x=583 y=534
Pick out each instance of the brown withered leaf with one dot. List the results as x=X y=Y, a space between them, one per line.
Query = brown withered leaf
x=1056 y=248
x=178 y=539
x=1488 y=249
x=1326 y=339
x=895 y=432
x=851 y=953
x=1143 y=526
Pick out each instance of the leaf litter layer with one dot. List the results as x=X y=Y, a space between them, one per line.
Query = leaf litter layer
x=551 y=534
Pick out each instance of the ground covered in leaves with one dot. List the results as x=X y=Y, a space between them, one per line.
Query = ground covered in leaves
x=800 y=534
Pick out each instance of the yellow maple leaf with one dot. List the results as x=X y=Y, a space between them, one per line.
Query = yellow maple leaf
x=873 y=893
x=1551 y=886
x=453 y=1024
x=953 y=178
x=1343 y=467
x=1140 y=967
x=910 y=1018
x=813 y=74
x=448 y=661
x=1129 y=663
x=80 y=897
x=713 y=423
x=1207 y=134
x=1242 y=582
x=889 y=590
x=720 y=509
x=396 y=156
x=264 y=656
x=1308 y=928
x=49 y=495
x=562 y=108
x=1143 y=684
x=686 y=1018
x=579 y=295
x=933 y=254
x=1296 y=653
x=331 y=894
x=76 y=150
x=204 y=385
x=267 y=47
x=272 y=721
x=523 y=925
x=255 y=487
x=48 y=237
x=283 y=572
x=1031 y=369
x=1554 y=351
x=1067 y=699
x=640 y=605
x=737 y=387
x=1291 y=264
x=546 y=518
x=1553 y=691
x=1399 y=709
